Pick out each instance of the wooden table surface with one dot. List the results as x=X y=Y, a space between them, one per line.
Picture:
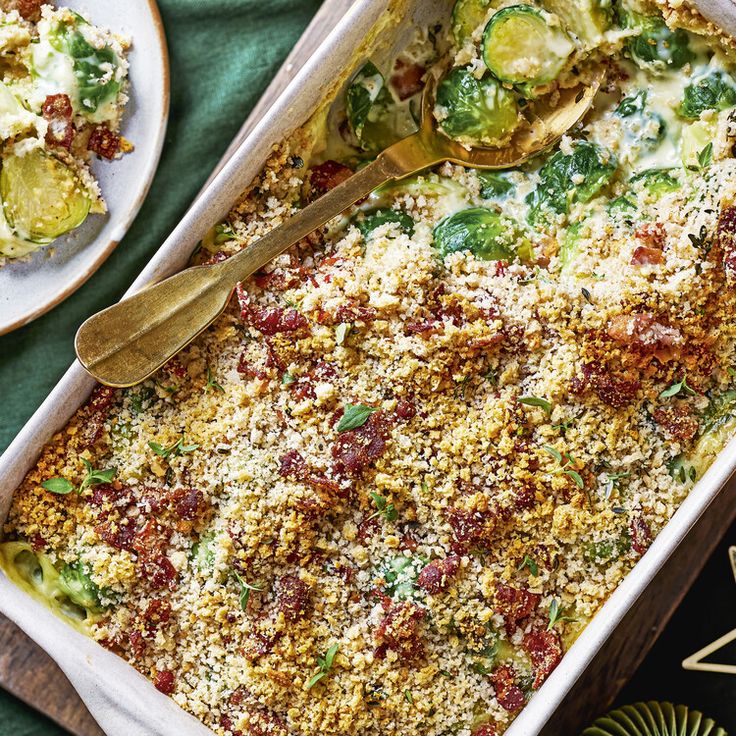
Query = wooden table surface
x=28 y=673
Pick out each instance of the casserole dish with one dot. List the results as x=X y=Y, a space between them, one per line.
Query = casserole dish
x=209 y=210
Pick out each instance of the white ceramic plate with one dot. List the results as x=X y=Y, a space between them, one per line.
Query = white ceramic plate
x=30 y=288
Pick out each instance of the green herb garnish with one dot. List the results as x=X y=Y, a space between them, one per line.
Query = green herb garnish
x=325 y=665
x=543 y=404
x=531 y=564
x=175 y=448
x=245 y=590
x=555 y=616
x=385 y=509
x=212 y=384
x=354 y=416
x=676 y=388
x=566 y=469
x=62 y=487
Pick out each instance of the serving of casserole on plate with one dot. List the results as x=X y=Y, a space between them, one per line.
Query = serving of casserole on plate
x=388 y=490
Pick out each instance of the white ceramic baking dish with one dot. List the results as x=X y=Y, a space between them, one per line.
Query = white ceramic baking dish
x=124 y=703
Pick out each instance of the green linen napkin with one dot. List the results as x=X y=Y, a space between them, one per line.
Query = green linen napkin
x=223 y=55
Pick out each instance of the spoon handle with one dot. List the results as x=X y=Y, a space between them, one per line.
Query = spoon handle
x=127 y=342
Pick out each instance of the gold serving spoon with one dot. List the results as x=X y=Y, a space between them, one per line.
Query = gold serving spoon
x=126 y=343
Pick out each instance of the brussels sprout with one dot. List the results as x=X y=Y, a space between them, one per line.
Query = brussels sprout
x=607 y=550
x=621 y=206
x=587 y=19
x=656 y=47
x=521 y=45
x=717 y=427
x=98 y=71
x=202 y=555
x=570 y=245
x=381 y=217
x=494 y=184
x=42 y=197
x=374 y=117
x=76 y=583
x=695 y=137
x=400 y=575
x=474 y=110
x=713 y=91
x=642 y=123
x=574 y=177
x=467 y=15
x=487 y=234
x=657 y=181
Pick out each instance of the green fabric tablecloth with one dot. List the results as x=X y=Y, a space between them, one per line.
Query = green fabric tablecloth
x=223 y=55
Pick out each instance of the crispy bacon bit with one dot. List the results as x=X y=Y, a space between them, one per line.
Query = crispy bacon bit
x=515 y=605
x=508 y=693
x=226 y=723
x=328 y=175
x=293 y=465
x=157 y=614
x=358 y=448
x=611 y=390
x=104 y=142
x=159 y=571
x=545 y=652
x=399 y=630
x=187 y=502
x=679 y=423
x=248 y=369
x=644 y=256
x=525 y=498
x=118 y=534
x=726 y=240
x=354 y=313
x=641 y=534
x=57 y=110
x=487 y=729
x=405 y=409
x=30 y=9
x=653 y=234
x=406 y=78
x=271 y=321
x=436 y=577
x=218 y=257
x=470 y=528
x=425 y=328
x=293 y=598
x=101 y=399
x=642 y=330
x=164 y=681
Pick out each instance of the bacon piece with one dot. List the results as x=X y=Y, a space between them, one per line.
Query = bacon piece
x=653 y=234
x=515 y=605
x=293 y=598
x=406 y=78
x=104 y=142
x=405 y=409
x=356 y=449
x=118 y=534
x=487 y=729
x=399 y=631
x=425 y=328
x=354 y=313
x=679 y=423
x=611 y=390
x=159 y=571
x=436 y=577
x=57 y=111
x=470 y=528
x=187 y=503
x=270 y=321
x=641 y=534
x=726 y=240
x=226 y=723
x=545 y=652
x=218 y=257
x=157 y=614
x=644 y=256
x=508 y=693
x=164 y=681
x=642 y=330
x=525 y=498
x=97 y=407
x=30 y=9
x=293 y=465
x=328 y=175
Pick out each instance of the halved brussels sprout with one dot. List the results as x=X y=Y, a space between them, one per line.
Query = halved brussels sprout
x=695 y=137
x=76 y=583
x=574 y=177
x=475 y=111
x=374 y=220
x=570 y=245
x=467 y=15
x=587 y=19
x=641 y=122
x=655 y=46
x=486 y=233
x=494 y=184
x=657 y=181
x=42 y=197
x=521 y=45
x=713 y=91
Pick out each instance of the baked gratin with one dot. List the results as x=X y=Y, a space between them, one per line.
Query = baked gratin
x=387 y=490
